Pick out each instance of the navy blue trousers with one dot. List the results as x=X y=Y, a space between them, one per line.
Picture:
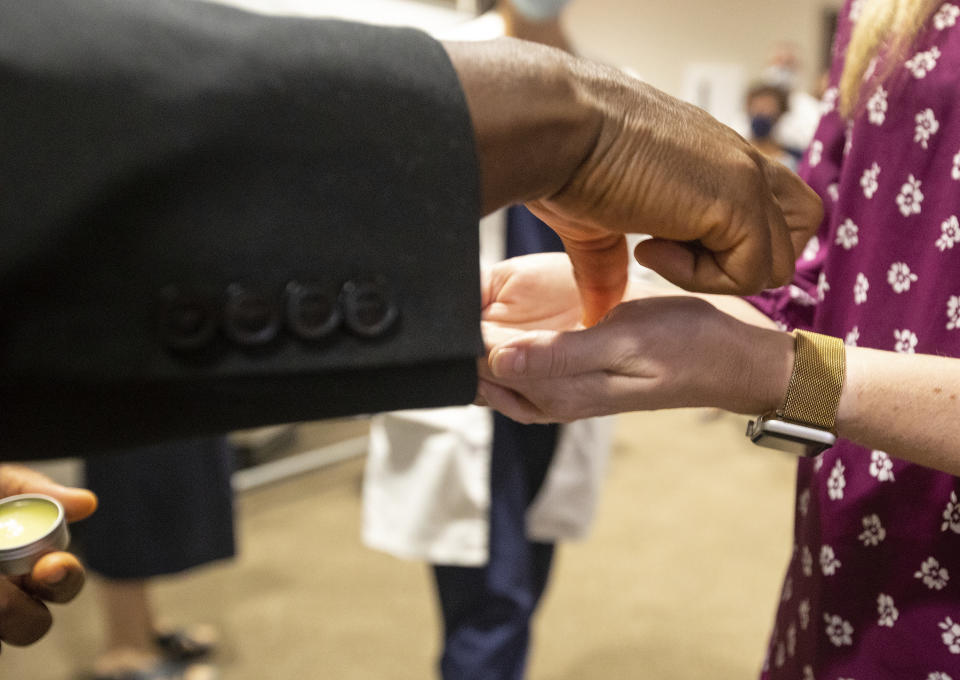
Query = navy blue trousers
x=487 y=610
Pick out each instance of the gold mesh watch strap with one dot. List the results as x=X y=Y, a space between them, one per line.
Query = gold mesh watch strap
x=819 y=367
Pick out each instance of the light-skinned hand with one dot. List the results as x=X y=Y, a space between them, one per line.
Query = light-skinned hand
x=653 y=353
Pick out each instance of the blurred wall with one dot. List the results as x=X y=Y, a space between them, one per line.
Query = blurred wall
x=659 y=38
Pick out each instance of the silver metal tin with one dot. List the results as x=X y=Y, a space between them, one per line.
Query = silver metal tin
x=20 y=559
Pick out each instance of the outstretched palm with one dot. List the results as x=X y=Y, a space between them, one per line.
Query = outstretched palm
x=533 y=292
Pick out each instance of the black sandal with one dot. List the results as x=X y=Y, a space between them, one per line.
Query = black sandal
x=181 y=645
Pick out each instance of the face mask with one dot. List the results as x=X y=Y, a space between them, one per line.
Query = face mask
x=761 y=126
x=539 y=10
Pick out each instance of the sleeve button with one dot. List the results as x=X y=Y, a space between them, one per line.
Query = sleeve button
x=311 y=310
x=368 y=308
x=188 y=322
x=250 y=318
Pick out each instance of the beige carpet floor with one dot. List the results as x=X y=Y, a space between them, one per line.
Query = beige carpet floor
x=678 y=579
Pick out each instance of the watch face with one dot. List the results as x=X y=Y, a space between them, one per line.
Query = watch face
x=801 y=440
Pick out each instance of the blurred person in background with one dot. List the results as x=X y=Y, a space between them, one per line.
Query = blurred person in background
x=164 y=509
x=766 y=105
x=482 y=497
x=795 y=127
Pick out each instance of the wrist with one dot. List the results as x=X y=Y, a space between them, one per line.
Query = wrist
x=533 y=123
x=764 y=374
x=859 y=365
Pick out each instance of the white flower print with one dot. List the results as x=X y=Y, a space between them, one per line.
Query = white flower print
x=950 y=235
x=847 y=234
x=877 y=106
x=811 y=249
x=801 y=297
x=900 y=277
x=906 y=341
x=817 y=463
x=781 y=325
x=808 y=673
x=932 y=574
x=950 y=635
x=792 y=639
x=848 y=139
x=828 y=561
x=910 y=197
x=939 y=676
x=953 y=312
x=869 y=180
x=837 y=481
x=828 y=102
x=787 y=590
x=873 y=531
x=923 y=62
x=823 y=286
x=946 y=16
x=881 y=466
x=803 y=611
x=780 y=656
x=806 y=561
x=852 y=337
x=887 y=611
x=839 y=631
x=951 y=515
x=833 y=191
x=955 y=172
x=803 y=502
x=860 y=289
x=927 y=127
x=816 y=154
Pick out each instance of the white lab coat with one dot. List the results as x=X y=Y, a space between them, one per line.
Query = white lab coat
x=426 y=491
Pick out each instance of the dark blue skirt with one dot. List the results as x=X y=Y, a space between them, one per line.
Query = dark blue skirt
x=162 y=509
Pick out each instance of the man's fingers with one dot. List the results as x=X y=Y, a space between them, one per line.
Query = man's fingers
x=782 y=252
x=802 y=208
x=688 y=265
x=56 y=577
x=600 y=269
x=23 y=619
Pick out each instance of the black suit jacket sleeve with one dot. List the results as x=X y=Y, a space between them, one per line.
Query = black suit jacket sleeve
x=212 y=219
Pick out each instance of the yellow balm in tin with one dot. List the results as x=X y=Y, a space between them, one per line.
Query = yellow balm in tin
x=31 y=525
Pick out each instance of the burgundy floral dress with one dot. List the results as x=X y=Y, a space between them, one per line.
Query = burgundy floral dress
x=873 y=587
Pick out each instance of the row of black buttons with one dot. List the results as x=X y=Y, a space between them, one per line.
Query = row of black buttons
x=250 y=318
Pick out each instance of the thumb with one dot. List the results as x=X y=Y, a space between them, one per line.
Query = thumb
x=600 y=269
x=77 y=503
x=17 y=479
x=551 y=354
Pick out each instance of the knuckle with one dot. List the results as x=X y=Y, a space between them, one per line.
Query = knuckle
x=557 y=358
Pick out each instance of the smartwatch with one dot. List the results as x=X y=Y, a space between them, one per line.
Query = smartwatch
x=805 y=424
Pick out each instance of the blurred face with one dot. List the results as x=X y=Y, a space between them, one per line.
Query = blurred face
x=764 y=111
x=764 y=105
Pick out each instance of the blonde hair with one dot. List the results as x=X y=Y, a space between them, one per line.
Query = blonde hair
x=884 y=31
